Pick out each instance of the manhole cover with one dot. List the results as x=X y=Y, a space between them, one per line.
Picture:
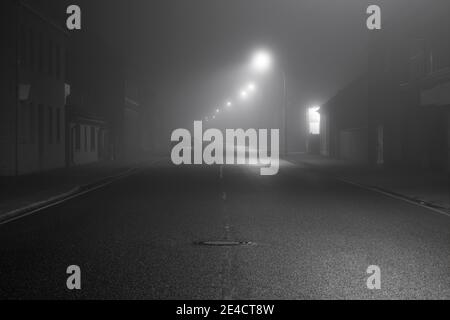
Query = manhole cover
x=224 y=243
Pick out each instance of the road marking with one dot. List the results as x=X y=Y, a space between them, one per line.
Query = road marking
x=228 y=289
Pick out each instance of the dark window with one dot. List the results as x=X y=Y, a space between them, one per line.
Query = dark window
x=32 y=49
x=58 y=61
x=41 y=127
x=26 y=123
x=41 y=53
x=77 y=137
x=92 y=139
x=23 y=45
x=417 y=59
x=58 y=125
x=66 y=65
x=50 y=125
x=32 y=123
x=50 y=57
x=440 y=56
x=85 y=139
x=24 y=128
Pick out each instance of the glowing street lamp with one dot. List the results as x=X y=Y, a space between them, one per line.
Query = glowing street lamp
x=261 y=61
x=244 y=94
x=251 y=87
x=229 y=104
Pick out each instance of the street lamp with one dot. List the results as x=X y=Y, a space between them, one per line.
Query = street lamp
x=261 y=62
x=244 y=94
x=251 y=87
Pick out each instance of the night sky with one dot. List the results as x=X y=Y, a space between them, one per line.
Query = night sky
x=189 y=54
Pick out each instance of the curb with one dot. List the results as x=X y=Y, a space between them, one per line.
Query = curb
x=75 y=192
x=416 y=201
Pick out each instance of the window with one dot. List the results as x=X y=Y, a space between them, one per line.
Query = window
x=85 y=139
x=41 y=54
x=58 y=125
x=23 y=45
x=24 y=127
x=417 y=59
x=26 y=123
x=32 y=123
x=314 y=120
x=440 y=56
x=32 y=50
x=66 y=65
x=50 y=125
x=92 y=139
x=77 y=138
x=58 y=61
x=50 y=57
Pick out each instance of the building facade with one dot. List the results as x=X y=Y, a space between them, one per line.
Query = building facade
x=87 y=138
x=409 y=79
x=398 y=113
x=33 y=91
x=344 y=123
x=97 y=79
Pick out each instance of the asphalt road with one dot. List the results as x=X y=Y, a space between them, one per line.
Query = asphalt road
x=311 y=237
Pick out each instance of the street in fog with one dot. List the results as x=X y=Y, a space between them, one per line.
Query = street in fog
x=303 y=236
x=225 y=149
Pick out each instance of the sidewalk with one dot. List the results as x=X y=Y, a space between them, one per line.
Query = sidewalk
x=429 y=187
x=21 y=192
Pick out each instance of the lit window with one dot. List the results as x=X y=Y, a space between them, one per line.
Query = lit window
x=314 y=120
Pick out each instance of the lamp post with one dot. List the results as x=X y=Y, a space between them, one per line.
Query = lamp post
x=261 y=62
